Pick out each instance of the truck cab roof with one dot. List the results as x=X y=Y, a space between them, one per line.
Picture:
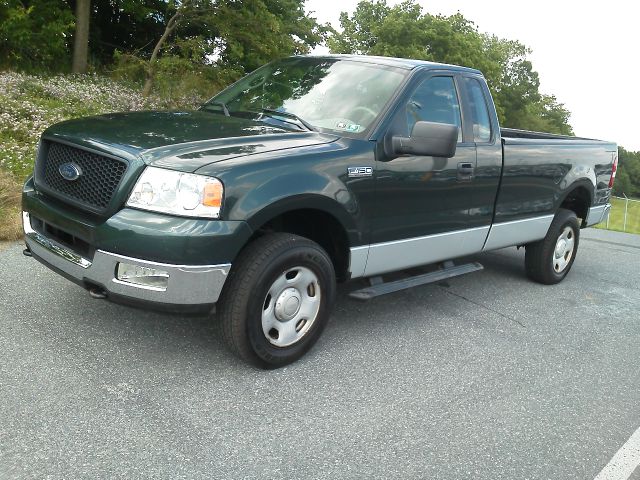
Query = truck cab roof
x=405 y=63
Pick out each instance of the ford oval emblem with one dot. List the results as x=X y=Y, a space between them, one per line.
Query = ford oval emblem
x=70 y=171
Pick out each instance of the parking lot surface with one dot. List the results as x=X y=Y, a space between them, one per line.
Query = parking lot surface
x=484 y=376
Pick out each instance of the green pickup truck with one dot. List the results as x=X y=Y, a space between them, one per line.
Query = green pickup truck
x=307 y=172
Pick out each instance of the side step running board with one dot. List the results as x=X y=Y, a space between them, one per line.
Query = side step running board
x=378 y=288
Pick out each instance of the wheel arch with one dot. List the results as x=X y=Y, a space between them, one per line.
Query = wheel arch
x=578 y=198
x=315 y=217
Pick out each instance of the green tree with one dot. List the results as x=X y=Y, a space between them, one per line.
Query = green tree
x=126 y=26
x=628 y=175
x=186 y=8
x=34 y=35
x=404 y=30
x=236 y=36
x=253 y=32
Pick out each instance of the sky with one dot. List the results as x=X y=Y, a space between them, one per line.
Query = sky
x=587 y=53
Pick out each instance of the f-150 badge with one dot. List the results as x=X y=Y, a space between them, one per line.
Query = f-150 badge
x=360 y=171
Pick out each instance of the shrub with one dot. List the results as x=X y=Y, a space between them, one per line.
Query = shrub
x=179 y=81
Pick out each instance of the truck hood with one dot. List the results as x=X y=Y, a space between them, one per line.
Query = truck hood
x=182 y=141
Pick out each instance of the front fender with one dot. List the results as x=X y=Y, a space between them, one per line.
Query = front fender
x=296 y=191
x=261 y=187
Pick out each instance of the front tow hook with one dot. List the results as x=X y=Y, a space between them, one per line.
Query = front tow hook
x=97 y=293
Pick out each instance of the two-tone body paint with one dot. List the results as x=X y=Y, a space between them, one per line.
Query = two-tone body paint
x=424 y=195
x=266 y=171
x=426 y=213
x=409 y=204
x=150 y=138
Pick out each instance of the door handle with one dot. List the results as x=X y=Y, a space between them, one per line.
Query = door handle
x=465 y=171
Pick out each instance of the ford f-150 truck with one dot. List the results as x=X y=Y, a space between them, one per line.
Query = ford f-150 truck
x=308 y=171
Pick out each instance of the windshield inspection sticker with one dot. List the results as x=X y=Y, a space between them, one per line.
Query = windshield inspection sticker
x=349 y=127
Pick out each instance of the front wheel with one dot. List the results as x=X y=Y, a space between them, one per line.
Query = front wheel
x=277 y=299
x=549 y=260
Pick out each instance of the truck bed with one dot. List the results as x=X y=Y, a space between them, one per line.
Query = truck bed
x=538 y=167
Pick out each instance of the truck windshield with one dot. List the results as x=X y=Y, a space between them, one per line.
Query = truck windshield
x=325 y=94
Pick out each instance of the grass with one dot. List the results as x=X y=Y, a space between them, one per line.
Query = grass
x=616 y=216
x=10 y=226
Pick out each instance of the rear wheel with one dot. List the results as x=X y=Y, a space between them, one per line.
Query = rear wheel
x=277 y=299
x=549 y=260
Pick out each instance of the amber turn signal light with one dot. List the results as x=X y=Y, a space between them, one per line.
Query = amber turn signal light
x=212 y=195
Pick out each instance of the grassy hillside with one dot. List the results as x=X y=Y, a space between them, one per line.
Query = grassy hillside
x=29 y=104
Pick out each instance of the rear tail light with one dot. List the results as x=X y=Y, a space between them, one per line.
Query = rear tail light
x=613 y=171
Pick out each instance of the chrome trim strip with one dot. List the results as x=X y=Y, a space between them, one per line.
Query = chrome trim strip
x=517 y=232
x=412 y=252
x=597 y=214
x=54 y=248
x=186 y=268
x=358 y=261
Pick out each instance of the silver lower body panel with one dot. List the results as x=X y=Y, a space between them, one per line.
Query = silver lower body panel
x=517 y=232
x=598 y=214
x=386 y=257
x=187 y=285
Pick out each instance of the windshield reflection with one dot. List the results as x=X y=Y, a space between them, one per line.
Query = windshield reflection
x=332 y=94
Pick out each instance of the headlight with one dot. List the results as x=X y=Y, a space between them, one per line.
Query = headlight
x=177 y=193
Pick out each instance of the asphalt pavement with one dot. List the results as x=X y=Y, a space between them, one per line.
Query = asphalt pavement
x=484 y=376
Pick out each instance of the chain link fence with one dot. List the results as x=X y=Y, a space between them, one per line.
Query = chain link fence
x=624 y=215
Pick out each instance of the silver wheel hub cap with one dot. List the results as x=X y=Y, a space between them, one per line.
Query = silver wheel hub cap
x=561 y=247
x=291 y=306
x=563 y=252
x=288 y=304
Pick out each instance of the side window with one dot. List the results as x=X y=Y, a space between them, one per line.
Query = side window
x=479 y=112
x=435 y=100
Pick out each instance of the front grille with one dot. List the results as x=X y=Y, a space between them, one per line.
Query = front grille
x=96 y=185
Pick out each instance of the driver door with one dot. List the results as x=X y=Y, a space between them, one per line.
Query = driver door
x=423 y=203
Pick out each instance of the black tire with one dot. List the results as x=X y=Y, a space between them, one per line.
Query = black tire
x=541 y=263
x=246 y=293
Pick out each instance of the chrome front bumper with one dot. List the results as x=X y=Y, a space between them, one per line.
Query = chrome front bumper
x=598 y=214
x=187 y=285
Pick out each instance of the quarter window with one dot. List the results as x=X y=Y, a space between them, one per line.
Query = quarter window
x=435 y=100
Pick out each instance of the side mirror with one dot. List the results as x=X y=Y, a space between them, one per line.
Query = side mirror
x=429 y=139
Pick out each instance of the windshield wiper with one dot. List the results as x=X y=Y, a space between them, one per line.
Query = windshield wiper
x=300 y=121
x=220 y=104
